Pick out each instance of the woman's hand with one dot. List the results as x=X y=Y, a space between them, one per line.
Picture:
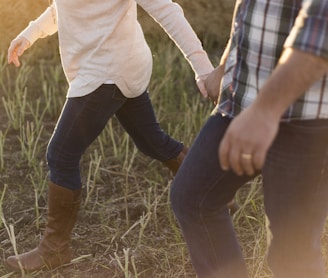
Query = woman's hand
x=16 y=49
x=200 y=81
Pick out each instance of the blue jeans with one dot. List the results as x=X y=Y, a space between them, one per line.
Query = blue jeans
x=82 y=120
x=295 y=186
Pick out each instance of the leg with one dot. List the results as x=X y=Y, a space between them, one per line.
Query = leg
x=295 y=179
x=199 y=195
x=81 y=121
x=138 y=119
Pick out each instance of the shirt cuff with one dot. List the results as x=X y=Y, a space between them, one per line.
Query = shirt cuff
x=200 y=63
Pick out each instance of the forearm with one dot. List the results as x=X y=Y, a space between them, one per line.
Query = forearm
x=225 y=54
x=44 y=25
x=295 y=73
x=171 y=18
x=213 y=81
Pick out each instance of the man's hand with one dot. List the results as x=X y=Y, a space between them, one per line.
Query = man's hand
x=16 y=49
x=213 y=83
x=247 y=140
x=249 y=136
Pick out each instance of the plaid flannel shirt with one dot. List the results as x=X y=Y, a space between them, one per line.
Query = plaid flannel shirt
x=261 y=30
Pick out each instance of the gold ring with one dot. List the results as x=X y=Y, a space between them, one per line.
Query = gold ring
x=246 y=156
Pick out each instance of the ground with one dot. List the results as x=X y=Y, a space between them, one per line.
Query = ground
x=125 y=227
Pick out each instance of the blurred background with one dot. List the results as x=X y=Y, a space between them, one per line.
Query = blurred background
x=209 y=18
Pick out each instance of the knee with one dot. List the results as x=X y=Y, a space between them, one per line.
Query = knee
x=181 y=201
x=174 y=199
x=56 y=157
x=60 y=160
x=54 y=163
x=64 y=169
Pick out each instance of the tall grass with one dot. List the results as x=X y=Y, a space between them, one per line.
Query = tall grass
x=126 y=227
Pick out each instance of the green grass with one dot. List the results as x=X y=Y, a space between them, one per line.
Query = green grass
x=125 y=227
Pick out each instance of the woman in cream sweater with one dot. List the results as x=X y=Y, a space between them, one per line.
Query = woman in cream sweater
x=108 y=65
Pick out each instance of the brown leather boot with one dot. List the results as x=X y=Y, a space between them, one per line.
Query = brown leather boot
x=174 y=163
x=54 y=249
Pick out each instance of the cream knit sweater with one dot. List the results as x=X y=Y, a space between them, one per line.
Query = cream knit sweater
x=102 y=40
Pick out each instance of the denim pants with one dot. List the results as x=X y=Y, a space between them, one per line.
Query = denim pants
x=295 y=188
x=83 y=118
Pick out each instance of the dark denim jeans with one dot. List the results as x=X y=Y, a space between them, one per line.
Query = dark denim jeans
x=295 y=186
x=82 y=120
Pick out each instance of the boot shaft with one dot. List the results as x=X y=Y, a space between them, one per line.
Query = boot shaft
x=175 y=163
x=63 y=207
x=54 y=249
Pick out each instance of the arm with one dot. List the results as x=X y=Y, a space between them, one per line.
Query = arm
x=43 y=26
x=213 y=81
x=304 y=61
x=171 y=18
x=254 y=129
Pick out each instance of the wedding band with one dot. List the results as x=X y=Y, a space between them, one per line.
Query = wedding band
x=246 y=156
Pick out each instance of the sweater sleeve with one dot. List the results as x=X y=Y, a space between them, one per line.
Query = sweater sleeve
x=170 y=17
x=45 y=25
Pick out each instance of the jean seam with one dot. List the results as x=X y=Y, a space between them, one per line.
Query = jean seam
x=217 y=258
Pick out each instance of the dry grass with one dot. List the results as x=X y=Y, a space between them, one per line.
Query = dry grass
x=125 y=227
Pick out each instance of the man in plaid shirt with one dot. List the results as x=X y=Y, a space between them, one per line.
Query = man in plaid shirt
x=271 y=119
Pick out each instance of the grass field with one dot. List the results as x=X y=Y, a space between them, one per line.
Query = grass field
x=125 y=226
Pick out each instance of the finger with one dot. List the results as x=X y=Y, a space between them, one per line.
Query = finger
x=13 y=58
x=16 y=61
x=247 y=163
x=204 y=93
x=10 y=54
x=259 y=159
x=201 y=87
x=214 y=97
x=235 y=163
x=16 y=49
x=22 y=47
x=216 y=100
x=12 y=50
x=223 y=153
x=9 y=59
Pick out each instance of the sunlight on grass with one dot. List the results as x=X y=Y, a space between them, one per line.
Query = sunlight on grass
x=126 y=227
